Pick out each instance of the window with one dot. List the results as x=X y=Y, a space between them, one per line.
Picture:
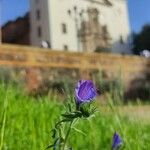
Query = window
x=38 y=14
x=64 y=28
x=69 y=12
x=75 y=8
x=39 y=31
x=104 y=29
x=66 y=47
x=121 y=40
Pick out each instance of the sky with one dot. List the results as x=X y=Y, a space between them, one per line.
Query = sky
x=139 y=12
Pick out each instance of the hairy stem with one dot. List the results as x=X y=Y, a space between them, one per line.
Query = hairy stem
x=67 y=135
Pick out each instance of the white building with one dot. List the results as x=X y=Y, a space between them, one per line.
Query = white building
x=58 y=22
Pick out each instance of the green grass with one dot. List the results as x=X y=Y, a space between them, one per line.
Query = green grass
x=25 y=124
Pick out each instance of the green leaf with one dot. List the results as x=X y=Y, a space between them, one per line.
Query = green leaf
x=73 y=115
x=55 y=142
x=50 y=146
x=69 y=107
x=54 y=133
x=79 y=131
x=87 y=109
x=64 y=120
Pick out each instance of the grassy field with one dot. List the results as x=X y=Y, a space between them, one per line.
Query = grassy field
x=26 y=122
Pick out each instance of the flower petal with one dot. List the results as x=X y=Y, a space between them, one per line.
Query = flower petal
x=116 y=141
x=85 y=91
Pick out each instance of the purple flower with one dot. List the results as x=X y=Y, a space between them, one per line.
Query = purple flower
x=116 y=141
x=85 y=91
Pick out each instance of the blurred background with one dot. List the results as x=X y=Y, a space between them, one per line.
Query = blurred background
x=85 y=26
x=46 y=46
x=117 y=24
x=114 y=30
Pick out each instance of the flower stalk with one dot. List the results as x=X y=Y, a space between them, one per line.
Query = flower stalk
x=81 y=107
x=67 y=135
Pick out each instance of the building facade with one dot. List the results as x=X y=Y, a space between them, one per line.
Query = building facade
x=80 y=25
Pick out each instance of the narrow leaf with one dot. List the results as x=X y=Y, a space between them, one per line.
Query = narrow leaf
x=79 y=131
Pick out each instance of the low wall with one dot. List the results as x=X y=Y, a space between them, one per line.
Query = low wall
x=75 y=65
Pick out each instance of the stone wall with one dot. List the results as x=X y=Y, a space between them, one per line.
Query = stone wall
x=37 y=67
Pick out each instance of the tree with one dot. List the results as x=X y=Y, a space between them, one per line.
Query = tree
x=141 y=40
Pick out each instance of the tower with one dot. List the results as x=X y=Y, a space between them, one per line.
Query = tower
x=39 y=22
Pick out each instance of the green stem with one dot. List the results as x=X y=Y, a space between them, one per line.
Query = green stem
x=67 y=135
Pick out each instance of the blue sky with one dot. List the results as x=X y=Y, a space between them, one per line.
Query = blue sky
x=139 y=11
